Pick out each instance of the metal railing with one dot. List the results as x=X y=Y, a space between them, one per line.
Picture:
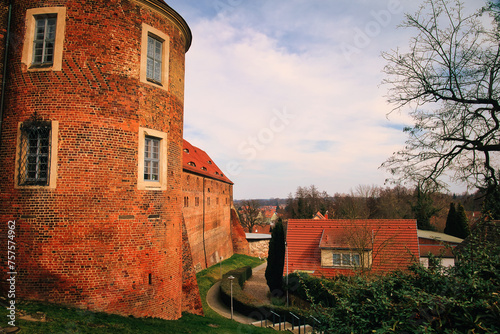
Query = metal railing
x=274 y=319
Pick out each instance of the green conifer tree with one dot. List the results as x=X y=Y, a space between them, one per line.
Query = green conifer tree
x=451 y=220
x=462 y=227
x=424 y=209
x=276 y=258
x=491 y=203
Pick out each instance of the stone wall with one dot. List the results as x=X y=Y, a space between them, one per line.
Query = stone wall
x=259 y=248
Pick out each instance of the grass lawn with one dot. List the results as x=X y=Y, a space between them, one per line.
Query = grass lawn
x=69 y=320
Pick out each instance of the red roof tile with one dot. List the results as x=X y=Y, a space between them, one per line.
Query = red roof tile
x=394 y=246
x=197 y=161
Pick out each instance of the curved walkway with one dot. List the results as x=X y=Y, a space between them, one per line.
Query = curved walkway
x=256 y=286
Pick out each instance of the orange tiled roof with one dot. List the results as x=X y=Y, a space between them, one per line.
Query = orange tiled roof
x=395 y=243
x=197 y=161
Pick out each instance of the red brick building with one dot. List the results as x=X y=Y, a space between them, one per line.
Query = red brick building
x=91 y=155
x=207 y=201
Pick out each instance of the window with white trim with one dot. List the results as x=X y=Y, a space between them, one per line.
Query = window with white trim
x=154 y=62
x=346 y=259
x=44 y=38
x=152 y=160
x=154 y=57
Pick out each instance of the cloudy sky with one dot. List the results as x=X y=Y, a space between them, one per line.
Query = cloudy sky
x=286 y=93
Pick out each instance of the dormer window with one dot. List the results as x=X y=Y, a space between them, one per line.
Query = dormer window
x=186 y=150
x=192 y=164
x=203 y=168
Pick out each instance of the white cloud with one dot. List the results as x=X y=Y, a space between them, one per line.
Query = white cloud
x=252 y=60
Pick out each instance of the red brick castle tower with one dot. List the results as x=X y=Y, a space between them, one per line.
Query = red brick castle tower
x=91 y=153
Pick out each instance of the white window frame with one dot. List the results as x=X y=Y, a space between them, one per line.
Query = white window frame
x=327 y=258
x=151 y=162
x=160 y=184
x=28 y=52
x=147 y=32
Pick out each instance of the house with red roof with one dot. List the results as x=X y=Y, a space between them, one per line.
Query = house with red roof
x=207 y=205
x=343 y=246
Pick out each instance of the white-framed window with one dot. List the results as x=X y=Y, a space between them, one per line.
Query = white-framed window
x=346 y=258
x=152 y=160
x=44 y=39
x=154 y=62
x=36 y=154
x=155 y=46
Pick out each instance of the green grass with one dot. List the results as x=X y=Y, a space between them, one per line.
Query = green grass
x=69 y=320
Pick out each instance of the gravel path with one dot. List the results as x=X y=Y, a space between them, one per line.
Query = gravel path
x=256 y=286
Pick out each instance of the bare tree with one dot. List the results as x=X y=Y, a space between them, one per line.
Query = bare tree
x=307 y=202
x=366 y=241
x=250 y=215
x=450 y=80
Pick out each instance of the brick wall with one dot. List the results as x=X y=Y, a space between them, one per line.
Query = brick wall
x=208 y=218
x=95 y=241
x=240 y=243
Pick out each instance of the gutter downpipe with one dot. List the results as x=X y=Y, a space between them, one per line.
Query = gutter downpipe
x=4 y=77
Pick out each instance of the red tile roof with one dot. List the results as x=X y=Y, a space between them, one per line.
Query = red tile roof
x=395 y=243
x=197 y=161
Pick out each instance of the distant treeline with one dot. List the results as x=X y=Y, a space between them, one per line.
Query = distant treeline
x=371 y=202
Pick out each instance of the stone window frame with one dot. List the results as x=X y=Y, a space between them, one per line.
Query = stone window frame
x=53 y=156
x=143 y=184
x=149 y=31
x=27 y=56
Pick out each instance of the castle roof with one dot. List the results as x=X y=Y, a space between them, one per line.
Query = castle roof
x=197 y=161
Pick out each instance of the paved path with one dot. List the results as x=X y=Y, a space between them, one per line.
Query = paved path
x=255 y=286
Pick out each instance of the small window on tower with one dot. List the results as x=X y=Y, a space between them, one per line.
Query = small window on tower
x=44 y=38
x=44 y=41
x=36 y=160
x=154 y=57
x=152 y=159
